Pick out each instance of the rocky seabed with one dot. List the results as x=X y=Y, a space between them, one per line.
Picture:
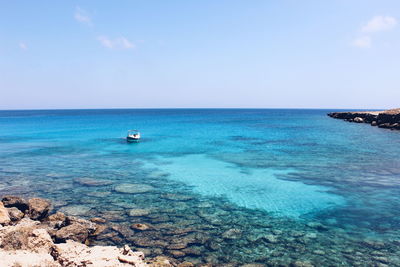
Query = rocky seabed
x=30 y=237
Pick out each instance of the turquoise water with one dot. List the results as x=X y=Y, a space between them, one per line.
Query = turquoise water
x=218 y=186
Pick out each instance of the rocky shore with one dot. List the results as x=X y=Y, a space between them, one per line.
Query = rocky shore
x=31 y=236
x=389 y=119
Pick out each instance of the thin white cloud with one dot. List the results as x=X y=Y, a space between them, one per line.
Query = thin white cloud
x=379 y=23
x=117 y=43
x=362 y=42
x=23 y=46
x=82 y=16
x=373 y=26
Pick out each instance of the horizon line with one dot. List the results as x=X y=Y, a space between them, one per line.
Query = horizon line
x=182 y=108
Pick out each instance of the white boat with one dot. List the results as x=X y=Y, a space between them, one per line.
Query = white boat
x=133 y=136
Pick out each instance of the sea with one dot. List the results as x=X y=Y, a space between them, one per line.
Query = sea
x=224 y=187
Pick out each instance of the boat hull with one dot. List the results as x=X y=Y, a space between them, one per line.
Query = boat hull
x=131 y=139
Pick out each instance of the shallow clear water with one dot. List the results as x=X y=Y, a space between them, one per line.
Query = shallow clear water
x=217 y=186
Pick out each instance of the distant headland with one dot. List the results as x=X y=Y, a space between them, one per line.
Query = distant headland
x=389 y=119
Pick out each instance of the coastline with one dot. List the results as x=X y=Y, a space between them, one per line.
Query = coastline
x=30 y=235
x=388 y=119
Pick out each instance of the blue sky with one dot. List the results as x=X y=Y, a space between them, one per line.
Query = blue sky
x=208 y=53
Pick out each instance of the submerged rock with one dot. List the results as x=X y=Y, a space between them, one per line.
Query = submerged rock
x=133 y=188
x=177 y=253
x=177 y=197
x=98 y=194
x=140 y=226
x=75 y=210
x=97 y=220
x=270 y=238
x=232 y=234
x=301 y=264
x=38 y=208
x=92 y=182
x=139 y=212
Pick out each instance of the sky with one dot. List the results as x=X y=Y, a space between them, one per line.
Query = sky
x=199 y=54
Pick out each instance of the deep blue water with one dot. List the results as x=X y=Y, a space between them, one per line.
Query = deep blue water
x=272 y=186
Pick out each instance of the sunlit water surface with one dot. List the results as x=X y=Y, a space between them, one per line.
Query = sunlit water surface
x=275 y=187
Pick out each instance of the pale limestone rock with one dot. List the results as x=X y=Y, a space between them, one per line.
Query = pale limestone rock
x=73 y=253
x=25 y=236
x=4 y=217
x=24 y=258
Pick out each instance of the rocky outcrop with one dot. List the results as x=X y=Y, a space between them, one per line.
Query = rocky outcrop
x=389 y=119
x=73 y=253
x=29 y=237
x=17 y=202
x=38 y=208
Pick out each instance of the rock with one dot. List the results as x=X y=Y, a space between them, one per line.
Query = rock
x=97 y=220
x=133 y=188
x=76 y=229
x=25 y=258
x=99 y=194
x=161 y=261
x=177 y=253
x=358 y=120
x=75 y=210
x=41 y=240
x=384 y=119
x=75 y=254
x=13 y=201
x=90 y=226
x=311 y=235
x=177 y=197
x=139 y=212
x=4 y=217
x=301 y=264
x=15 y=214
x=92 y=182
x=99 y=229
x=270 y=238
x=185 y=264
x=193 y=251
x=318 y=226
x=56 y=220
x=38 y=208
x=123 y=230
x=319 y=252
x=25 y=236
x=232 y=234
x=140 y=226
x=75 y=232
